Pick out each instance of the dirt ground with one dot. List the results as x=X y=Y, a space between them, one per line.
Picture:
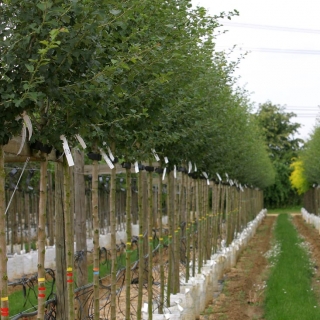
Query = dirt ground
x=312 y=237
x=242 y=287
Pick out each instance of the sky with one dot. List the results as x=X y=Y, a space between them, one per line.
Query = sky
x=282 y=39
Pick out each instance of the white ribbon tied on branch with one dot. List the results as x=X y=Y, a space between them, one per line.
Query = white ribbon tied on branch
x=66 y=150
x=26 y=125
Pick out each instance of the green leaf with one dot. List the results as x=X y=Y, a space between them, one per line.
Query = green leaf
x=30 y=67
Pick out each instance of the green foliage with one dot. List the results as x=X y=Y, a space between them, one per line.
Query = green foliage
x=283 y=147
x=310 y=157
x=136 y=74
x=298 y=178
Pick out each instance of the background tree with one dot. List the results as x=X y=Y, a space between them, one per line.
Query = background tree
x=298 y=177
x=282 y=146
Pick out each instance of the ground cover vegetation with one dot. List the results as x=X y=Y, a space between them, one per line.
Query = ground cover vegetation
x=289 y=292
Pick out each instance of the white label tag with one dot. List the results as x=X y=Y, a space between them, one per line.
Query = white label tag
x=166 y=160
x=67 y=151
x=175 y=171
x=205 y=174
x=136 y=167
x=208 y=182
x=155 y=155
x=81 y=141
x=145 y=307
x=218 y=175
x=110 y=154
x=28 y=123
x=195 y=168
x=106 y=159
x=231 y=182
x=190 y=167
x=227 y=176
x=164 y=173
x=23 y=137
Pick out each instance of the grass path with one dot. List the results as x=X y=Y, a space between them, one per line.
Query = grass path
x=288 y=294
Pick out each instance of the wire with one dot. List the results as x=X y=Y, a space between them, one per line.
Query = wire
x=267 y=27
x=272 y=50
x=16 y=187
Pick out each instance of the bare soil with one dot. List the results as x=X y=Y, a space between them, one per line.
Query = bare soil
x=242 y=287
x=312 y=237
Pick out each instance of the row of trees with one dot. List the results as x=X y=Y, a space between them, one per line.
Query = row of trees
x=306 y=174
x=136 y=75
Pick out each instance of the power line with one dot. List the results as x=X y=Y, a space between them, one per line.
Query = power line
x=268 y=27
x=274 y=50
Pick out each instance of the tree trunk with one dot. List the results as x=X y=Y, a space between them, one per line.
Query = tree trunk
x=50 y=210
x=27 y=224
x=61 y=270
x=150 y=251
x=69 y=232
x=80 y=225
x=140 y=243
x=96 y=247
x=42 y=239
x=3 y=245
x=161 y=245
x=113 y=226
x=128 y=245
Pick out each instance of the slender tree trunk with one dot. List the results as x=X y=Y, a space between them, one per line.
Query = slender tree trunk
x=3 y=245
x=170 y=239
x=80 y=217
x=161 y=245
x=69 y=232
x=128 y=245
x=150 y=256
x=113 y=221
x=188 y=227
x=194 y=226
x=61 y=270
x=20 y=210
x=198 y=203
x=96 y=247
x=50 y=210
x=177 y=236
x=27 y=223
x=42 y=239
x=140 y=244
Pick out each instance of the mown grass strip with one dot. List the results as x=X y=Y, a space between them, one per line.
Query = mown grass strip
x=291 y=209
x=289 y=294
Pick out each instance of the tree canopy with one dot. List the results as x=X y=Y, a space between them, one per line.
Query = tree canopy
x=135 y=74
x=279 y=132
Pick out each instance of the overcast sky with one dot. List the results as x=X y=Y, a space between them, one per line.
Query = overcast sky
x=283 y=40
